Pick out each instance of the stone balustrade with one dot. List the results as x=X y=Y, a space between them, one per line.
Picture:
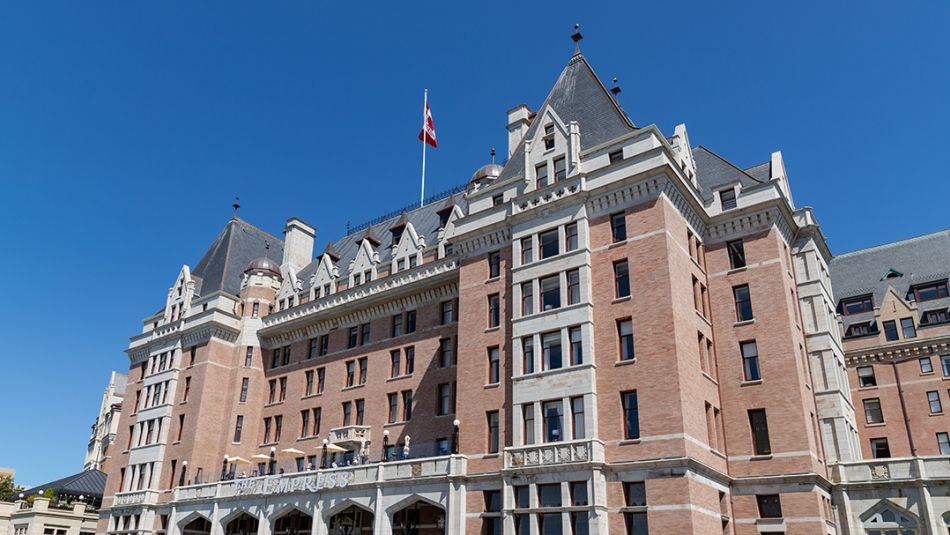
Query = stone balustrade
x=577 y=451
x=892 y=470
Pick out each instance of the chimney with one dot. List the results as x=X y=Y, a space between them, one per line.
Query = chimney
x=298 y=244
x=519 y=119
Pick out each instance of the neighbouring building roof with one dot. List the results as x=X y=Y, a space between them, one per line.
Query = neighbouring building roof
x=578 y=95
x=222 y=265
x=916 y=260
x=88 y=483
x=713 y=171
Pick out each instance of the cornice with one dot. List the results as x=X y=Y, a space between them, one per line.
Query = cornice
x=189 y=336
x=916 y=348
x=759 y=217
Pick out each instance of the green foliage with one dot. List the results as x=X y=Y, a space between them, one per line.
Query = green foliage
x=9 y=491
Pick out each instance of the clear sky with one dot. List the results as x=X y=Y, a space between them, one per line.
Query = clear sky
x=127 y=128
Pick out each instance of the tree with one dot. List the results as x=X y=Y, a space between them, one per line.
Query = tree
x=8 y=490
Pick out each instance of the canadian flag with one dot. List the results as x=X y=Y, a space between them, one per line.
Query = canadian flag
x=427 y=134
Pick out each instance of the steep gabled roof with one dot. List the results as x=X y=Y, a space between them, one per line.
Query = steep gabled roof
x=89 y=483
x=222 y=265
x=578 y=95
x=713 y=171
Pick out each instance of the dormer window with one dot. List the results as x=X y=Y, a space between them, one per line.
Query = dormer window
x=396 y=234
x=864 y=328
x=560 y=169
x=727 y=198
x=616 y=156
x=932 y=317
x=857 y=305
x=541 y=172
x=928 y=291
x=549 y=137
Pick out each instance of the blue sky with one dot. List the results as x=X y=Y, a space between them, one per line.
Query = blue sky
x=127 y=128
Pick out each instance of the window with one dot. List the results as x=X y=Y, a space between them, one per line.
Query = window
x=249 y=357
x=184 y=396
x=491 y=525
x=527 y=252
x=631 y=415
x=907 y=328
x=743 y=302
x=621 y=279
x=578 y=430
x=618 y=227
x=943 y=442
x=494 y=264
x=286 y=360
x=872 y=411
x=553 y=414
x=364 y=334
x=321 y=379
x=625 y=337
x=736 y=251
x=528 y=417
x=410 y=321
x=308 y=379
x=527 y=354
x=312 y=350
x=550 y=292
x=238 y=428
x=573 y=287
x=256 y=310
x=317 y=416
x=527 y=298
x=304 y=422
x=267 y=430
x=283 y=388
x=347 y=413
x=324 y=344
x=410 y=353
x=275 y=359
x=498 y=200
x=350 y=373
x=272 y=395
x=932 y=317
x=548 y=245
x=863 y=328
x=360 y=410
x=494 y=311
x=244 y=385
x=615 y=156
x=933 y=398
x=857 y=305
x=880 y=449
x=551 y=350
x=541 y=172
x=362 y=364
x=395 y=366
x=750 y=361
x=577 y=346
x=866 y=376
x=890 y=330
x=448 y=312
x=353 y=337
x=393 y=407
x=927 y=292
x=945 y=363
x=636 y=523
x=635 y=494
x=493 y=435
x=925 y=365
x=445 y=399
x=570 y=237
x=759 y=425
x=727 y=198
x=446 y=353
x=494 y=365
x=278 y=424
x=770 y=505
x=560 y=169
x=397 y=325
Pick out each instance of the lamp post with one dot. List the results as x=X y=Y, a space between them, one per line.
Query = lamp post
x=184 y=471
x=273 y=461
x=323 y=462
x=224 y=467
x=455 y=437
x=385 y=444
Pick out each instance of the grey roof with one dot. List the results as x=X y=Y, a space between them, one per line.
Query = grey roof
x=424 y=220
x=920 y=260
x=578 y=95
x=762 y=172
x=89 y=483
x=713 y=171
x=223 y=264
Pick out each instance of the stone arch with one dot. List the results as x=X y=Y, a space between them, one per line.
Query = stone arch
x=291 y=520
x=194 y=523
x=417 y=515
x=344 y=504
x=240 y=522
x=409 y=500
x=886 y=515
x=350 y=517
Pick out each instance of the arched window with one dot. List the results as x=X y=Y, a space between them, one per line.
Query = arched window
x=889 y=521
x=293 y=523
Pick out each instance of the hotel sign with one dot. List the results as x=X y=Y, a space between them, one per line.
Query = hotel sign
x=288 y=484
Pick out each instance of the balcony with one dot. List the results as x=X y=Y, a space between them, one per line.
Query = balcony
x=898 y=470
x=135 y=497
x=352 y=437
x=556 y=453
x=320 y=480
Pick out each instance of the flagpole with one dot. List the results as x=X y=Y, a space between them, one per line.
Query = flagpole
x=425 y=104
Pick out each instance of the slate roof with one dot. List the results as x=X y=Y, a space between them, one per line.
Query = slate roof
x=762 y=172
x=578 y=95
x=424 y=220
x=713 y=171
x=89 y=483
x=223 y=264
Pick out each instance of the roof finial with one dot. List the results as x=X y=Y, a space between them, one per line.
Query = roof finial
x=236 y=206
x=576 y=37
x=493 y=155
x=615 y=89
x=266 y=247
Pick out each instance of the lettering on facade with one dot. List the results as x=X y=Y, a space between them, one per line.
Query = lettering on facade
x=285 y=485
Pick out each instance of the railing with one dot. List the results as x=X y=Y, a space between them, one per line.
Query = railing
x=892 y=470
x=318 y=480
x=578 y=451
x=353 y=434
x=135 y=497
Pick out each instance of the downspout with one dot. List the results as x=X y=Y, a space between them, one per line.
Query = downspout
x=900 y=393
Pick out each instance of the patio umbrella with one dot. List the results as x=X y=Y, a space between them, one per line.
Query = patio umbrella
x=238 y=460
x=261 y=457
x=333 y=448
x=293 y=451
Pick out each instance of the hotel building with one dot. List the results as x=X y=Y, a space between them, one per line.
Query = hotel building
x=615 y=332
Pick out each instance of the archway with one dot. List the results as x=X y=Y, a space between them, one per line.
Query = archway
x=244 y=524
x=419 y=518
x=888 y=519
x=198 y=526
x=294 y=522
x=352 y=521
